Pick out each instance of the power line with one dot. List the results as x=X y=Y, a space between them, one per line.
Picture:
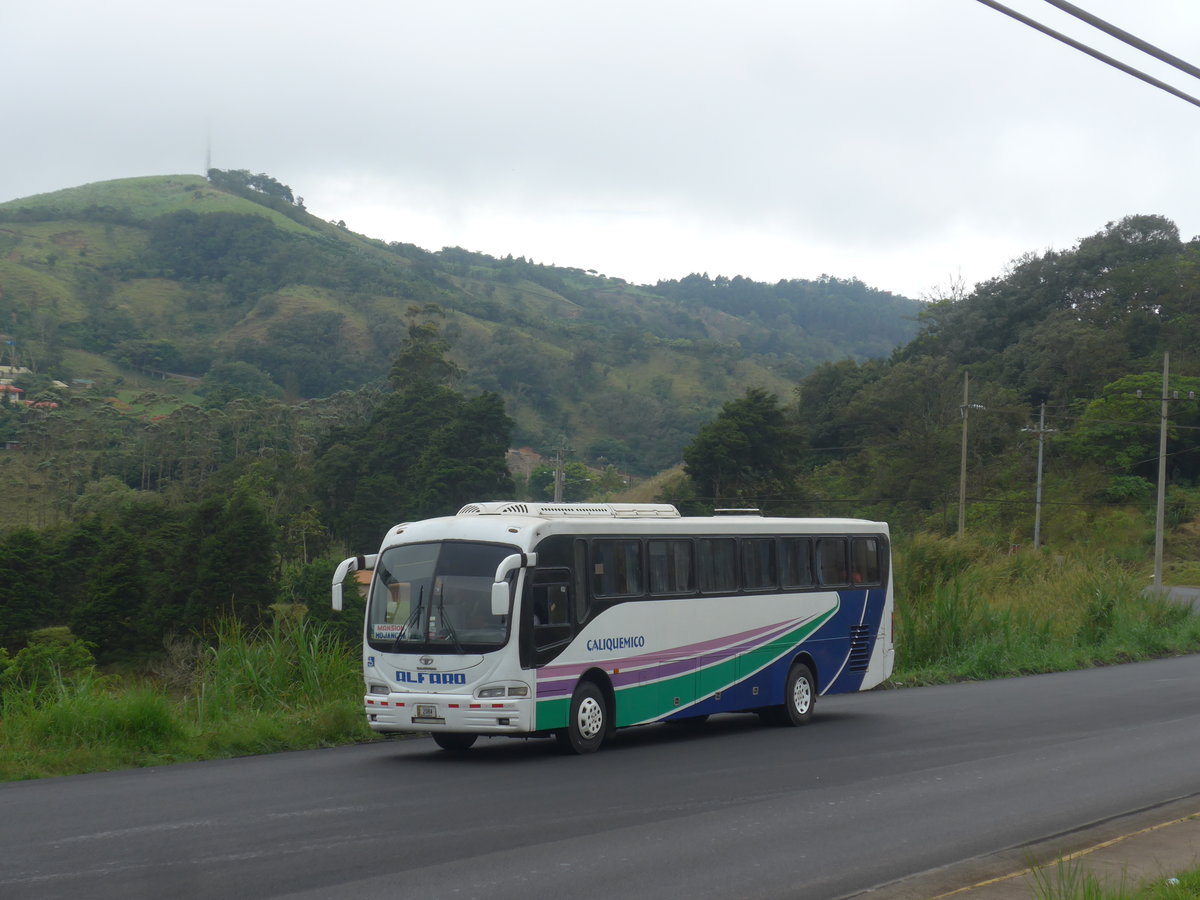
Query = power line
x=1090 y=51
x=1130 y=39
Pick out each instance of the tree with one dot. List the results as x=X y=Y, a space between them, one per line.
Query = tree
x=234 y=545
x=24 y=585
x=745 y=454
x=110 y=616
x=227 y=381
x=422 y=361
x=578 y=482
x=426 y=449
x=1121 y=429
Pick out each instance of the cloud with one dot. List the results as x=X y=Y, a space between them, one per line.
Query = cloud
x=898 y=143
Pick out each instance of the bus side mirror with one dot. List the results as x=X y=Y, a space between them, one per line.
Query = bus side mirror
x=500 y=597
x=345 y=567
x=501 y=593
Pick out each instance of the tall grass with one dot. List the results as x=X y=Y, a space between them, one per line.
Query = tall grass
x=964 y=612
x=287 y=685
x=1072 y=880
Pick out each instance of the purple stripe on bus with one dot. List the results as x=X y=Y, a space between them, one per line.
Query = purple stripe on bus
x=562 y=683
x=736 y=643
x=635 y=665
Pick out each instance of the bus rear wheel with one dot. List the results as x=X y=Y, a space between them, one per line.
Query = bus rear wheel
x=587 y=722
x=799 y=697
x=454 y=742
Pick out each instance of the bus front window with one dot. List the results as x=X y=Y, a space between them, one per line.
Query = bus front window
x=436 y=597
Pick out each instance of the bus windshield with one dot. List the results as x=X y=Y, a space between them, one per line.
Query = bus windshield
x=436 y=597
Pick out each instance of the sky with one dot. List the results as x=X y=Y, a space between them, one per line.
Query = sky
x=917 y=145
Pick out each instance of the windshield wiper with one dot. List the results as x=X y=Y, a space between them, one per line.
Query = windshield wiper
x=413 y=619
x=449 y=626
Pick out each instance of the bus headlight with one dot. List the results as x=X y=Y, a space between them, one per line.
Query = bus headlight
x=512 y=690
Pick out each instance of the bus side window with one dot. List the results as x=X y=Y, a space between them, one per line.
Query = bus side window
x=758 y=564
x=550 y=605
x=670 y=567
x=550 y=597
x=864 y=561
x=616 y=568
x=795 y=562
x=716 y=564
x=831 y=561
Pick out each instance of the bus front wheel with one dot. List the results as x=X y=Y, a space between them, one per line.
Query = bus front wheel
x=588 y=720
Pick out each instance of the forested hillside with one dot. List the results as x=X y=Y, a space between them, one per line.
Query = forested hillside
x=214 y=395
x=1083 y=330
x=209 y=395
x=231 y=283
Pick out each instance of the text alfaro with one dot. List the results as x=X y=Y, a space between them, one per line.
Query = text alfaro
x=431 y=678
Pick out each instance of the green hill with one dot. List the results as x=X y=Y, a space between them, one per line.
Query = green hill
x=120 y=282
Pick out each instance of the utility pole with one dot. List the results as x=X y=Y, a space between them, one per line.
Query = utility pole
x=559 y=459
x=1162 y=479
x=1037 y=505
x=966 y=407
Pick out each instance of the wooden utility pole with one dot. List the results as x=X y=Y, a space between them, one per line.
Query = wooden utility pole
x=966 y=408
x=1041 y=430
x=1162 y=478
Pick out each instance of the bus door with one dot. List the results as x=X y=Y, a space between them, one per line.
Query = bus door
x=546 y=616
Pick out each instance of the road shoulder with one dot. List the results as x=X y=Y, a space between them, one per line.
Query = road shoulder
x=1129 y=849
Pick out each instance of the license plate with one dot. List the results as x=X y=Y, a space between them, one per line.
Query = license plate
x=426 y=711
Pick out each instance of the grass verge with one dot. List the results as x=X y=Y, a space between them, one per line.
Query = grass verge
x=965 y=614
x=962 y=613
x=1072 y=881
x=287 y=686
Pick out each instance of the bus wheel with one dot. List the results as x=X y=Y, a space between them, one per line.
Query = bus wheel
x=588 y=721
x=454 y=742
x=799 y=696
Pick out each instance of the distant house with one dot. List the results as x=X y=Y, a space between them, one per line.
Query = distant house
x=11 y=394
x=13 y=371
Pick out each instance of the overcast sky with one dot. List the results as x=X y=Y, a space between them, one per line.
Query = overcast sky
x=908 y=143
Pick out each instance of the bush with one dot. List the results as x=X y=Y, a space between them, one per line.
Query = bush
x=1128 y=489
x=52 y=656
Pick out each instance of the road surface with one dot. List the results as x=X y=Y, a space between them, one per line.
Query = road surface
x=880 y=786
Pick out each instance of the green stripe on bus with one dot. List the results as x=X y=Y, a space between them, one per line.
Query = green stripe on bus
x=645 y=703
x=641 y=703
x=552 y=714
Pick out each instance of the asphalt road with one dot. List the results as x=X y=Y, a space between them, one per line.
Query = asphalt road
x=881 y=786
x=1183 y=594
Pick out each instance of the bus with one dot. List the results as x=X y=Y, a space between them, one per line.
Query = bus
x=528 y=619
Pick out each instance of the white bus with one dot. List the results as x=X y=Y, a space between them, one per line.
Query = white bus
x=515 y=618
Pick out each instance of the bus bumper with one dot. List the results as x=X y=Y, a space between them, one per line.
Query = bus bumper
x=447 y=712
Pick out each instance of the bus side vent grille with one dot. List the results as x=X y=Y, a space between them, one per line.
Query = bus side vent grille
x=860 y=647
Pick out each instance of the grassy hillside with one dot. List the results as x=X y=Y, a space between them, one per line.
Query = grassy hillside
x=119 y=280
